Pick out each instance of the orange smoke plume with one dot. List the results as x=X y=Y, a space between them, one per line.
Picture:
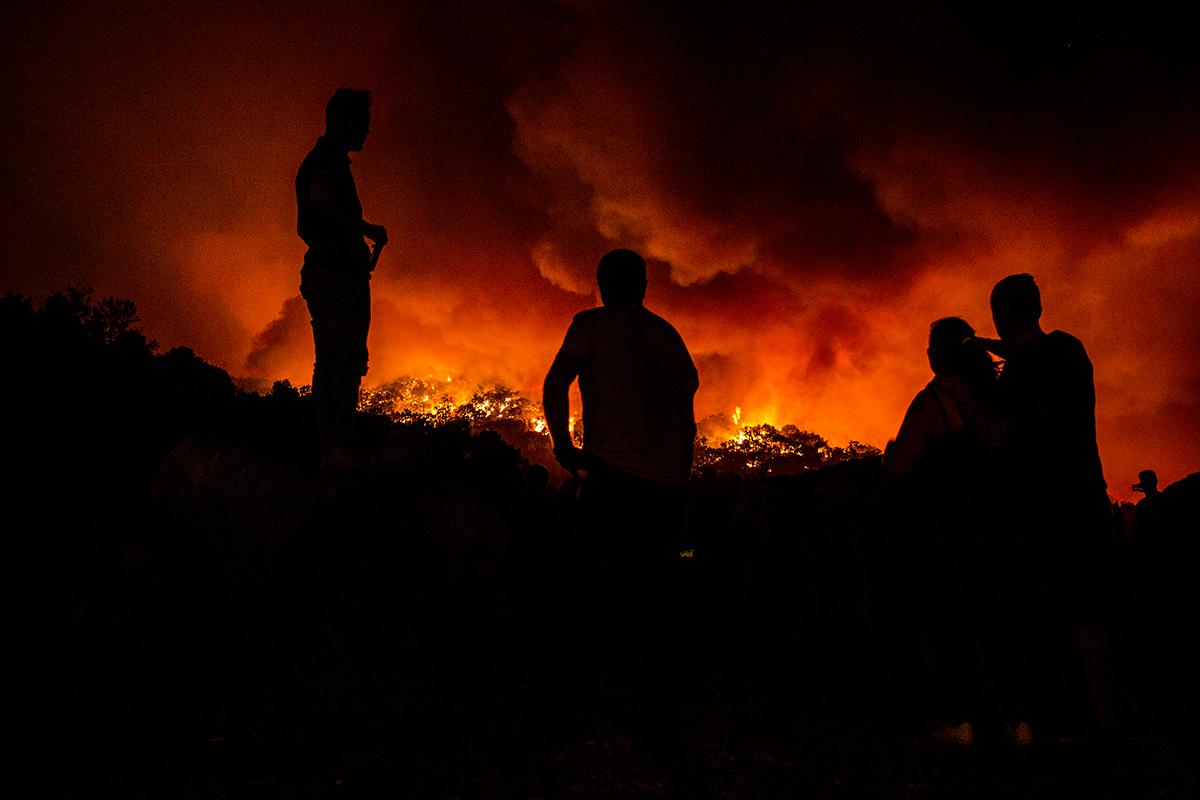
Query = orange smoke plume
x=812 y=189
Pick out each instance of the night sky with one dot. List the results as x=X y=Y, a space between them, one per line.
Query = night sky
x=812 y=187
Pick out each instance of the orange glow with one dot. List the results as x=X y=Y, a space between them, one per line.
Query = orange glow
x=810 y=197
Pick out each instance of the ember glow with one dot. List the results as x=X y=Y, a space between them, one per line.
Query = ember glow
x=812 y=188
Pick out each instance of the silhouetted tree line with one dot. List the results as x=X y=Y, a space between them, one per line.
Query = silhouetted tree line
x=89 y=399
x=764 y=450
x=722 y=446
x=92 y=407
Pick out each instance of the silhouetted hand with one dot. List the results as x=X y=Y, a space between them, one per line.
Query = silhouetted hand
x=375 y=233
x=993 y=346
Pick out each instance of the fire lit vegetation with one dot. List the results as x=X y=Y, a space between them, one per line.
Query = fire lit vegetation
x=409 y=399
x=762 y=450
x=73 y=343
x=722 y=443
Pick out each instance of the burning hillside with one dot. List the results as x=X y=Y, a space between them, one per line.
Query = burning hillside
x=812 y=185
x=723 y=444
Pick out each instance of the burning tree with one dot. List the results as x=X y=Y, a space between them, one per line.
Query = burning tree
x=407 y=399
x=764 y=450
x=722 y=443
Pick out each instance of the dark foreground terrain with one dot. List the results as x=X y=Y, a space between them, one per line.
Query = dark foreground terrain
x=249 y=627
x=737 y=741
x=197 y=612
x=146 y=685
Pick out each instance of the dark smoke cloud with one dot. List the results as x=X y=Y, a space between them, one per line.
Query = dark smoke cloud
x=812 y=186
x=289 y=333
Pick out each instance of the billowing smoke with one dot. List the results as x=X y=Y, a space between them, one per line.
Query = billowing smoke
x=812 y=188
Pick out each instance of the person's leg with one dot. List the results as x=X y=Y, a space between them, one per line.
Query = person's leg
x=589 y=639
x=317 y=293
x=340 y=307
x=1094 y=656
x=655 y=587
x=629 y=556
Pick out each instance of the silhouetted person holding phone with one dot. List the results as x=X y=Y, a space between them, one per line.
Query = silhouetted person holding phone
x=1145 y=524
x=1045 y=433
x=637 y=381
x=335 y=279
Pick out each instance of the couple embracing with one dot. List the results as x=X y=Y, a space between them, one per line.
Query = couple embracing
x=1010 y=506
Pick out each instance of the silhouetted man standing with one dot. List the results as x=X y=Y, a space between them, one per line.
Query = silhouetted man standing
x=335 y=280
x=1045 y=432
x=637 y=380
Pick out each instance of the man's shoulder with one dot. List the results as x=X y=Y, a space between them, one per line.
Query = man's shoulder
x=1063 y=348
x=617 y=314
x=656 y=319
x=324 y=156
x=609 y=315
x=1063 y=340
x=1056 y=347
x=587 y=315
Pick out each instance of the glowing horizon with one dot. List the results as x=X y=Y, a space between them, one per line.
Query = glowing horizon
x=812 y=189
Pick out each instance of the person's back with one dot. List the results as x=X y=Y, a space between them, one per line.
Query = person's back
x=935 y=442
x=637 y=383
x=636 y=377
x=1047 y=392
x=1047 y=408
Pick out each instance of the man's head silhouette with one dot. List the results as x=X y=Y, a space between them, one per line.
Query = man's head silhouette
x=621 y=276
x=348 y=118
x=1016 y=305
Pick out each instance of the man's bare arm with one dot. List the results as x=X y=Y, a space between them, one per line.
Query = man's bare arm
x=556 y=405
x=375 y=233
x=993 y=346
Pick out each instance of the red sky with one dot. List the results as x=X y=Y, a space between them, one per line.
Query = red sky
x=813 y=188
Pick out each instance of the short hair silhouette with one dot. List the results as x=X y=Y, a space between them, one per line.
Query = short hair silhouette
x=953 y=342
x=621 y=276
x=949 y=333
x=1017 y=299
x=346 y=103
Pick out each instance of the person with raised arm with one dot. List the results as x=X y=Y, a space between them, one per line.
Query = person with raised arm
x=1044 y=430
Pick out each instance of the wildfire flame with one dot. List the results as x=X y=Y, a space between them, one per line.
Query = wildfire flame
x=723 y=443
x=809 y=196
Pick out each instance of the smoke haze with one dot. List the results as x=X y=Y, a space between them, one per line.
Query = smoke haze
x=812 y=188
